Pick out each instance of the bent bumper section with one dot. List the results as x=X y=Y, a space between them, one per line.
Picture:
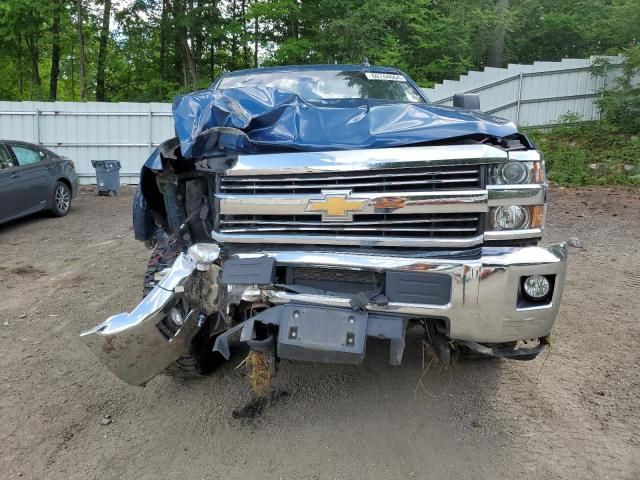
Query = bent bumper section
x=134 y=346
x=482 y=305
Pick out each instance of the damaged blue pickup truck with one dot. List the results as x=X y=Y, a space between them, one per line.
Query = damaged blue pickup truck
x=304 y=209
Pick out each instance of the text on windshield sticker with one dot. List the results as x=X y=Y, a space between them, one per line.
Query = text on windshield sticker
x=393 y=77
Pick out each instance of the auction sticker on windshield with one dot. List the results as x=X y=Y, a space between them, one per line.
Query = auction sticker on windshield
x=394 y=77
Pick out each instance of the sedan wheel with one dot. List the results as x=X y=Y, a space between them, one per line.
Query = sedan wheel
x=61 y=199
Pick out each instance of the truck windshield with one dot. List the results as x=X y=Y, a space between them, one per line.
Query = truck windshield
x=330 y=84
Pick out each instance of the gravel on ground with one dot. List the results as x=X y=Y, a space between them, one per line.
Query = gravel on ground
x=572 y=413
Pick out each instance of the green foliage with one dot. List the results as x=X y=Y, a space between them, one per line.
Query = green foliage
x=21 y=24
x=570 y=117
x=620 y=106
x=601 y=153
x=555 y=29
x=162 y=47
x=589 y=154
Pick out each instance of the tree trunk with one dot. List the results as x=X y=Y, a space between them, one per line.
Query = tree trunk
x=496 y=49
x=34 y=56
x=81 y=54
x=189 y=64
x=19 y=66
x=234 y=37
x=212 y=59
x=255 y=43
x=172 y=28
x=189 y=61
x=101 y=93
x=73 y=84
x=245 y=44
x=55 y=52
x=163 y=45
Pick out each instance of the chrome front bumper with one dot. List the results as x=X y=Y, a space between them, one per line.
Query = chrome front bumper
x=484 y=297
x=483 y=304
x=132 y=345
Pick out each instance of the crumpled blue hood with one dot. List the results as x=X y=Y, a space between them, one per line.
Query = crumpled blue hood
x=260 y=119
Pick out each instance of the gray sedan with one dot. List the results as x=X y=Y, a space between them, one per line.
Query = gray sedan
x=32 y=179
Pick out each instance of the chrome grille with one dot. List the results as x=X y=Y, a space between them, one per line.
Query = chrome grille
x=427 y=225
x=385 y=180
x=415 y=205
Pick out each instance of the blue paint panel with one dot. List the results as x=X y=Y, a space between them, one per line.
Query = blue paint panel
x=264 y=119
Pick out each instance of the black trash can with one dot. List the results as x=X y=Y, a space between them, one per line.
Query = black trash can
x=107 y=176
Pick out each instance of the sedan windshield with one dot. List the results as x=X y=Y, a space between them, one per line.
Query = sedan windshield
x=330 y=84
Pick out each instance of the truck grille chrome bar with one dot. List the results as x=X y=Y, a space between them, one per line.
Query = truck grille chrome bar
x=377 y=225
x=348 y=240
x=387 y=180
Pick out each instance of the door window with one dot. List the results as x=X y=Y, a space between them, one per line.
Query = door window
x=5 y=158
x=26 y=156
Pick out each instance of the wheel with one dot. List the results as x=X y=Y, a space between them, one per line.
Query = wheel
x=61 y=201
x=200 y=360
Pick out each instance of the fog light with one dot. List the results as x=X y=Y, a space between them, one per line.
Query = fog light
x=510 y=218
x=536 y=286
x=204 y=254
x=176 y=317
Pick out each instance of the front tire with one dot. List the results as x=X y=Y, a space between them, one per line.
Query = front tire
x=61 y=199
x=199 y=360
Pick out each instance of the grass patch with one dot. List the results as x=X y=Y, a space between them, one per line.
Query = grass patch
x=589 y=154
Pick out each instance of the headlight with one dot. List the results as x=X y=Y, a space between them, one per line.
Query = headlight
x=510 y=218
x=514 y=172
x=515 y=217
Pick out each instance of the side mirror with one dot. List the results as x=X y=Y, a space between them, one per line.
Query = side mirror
x=470 y=101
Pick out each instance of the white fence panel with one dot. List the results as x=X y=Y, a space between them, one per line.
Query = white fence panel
x=533 y=95
x=127 y=132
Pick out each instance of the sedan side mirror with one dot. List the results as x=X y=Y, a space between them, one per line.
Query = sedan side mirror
x=470 y=101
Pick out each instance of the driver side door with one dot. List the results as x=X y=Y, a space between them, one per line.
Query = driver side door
x=32 y=177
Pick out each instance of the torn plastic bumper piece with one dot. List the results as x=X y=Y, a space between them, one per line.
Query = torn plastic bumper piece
x=321 y=334
x=131 y=345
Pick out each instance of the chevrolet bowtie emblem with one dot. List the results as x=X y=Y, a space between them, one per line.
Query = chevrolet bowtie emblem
x=337 y=206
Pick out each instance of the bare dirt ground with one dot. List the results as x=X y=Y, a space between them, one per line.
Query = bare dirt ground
x=573 y=413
